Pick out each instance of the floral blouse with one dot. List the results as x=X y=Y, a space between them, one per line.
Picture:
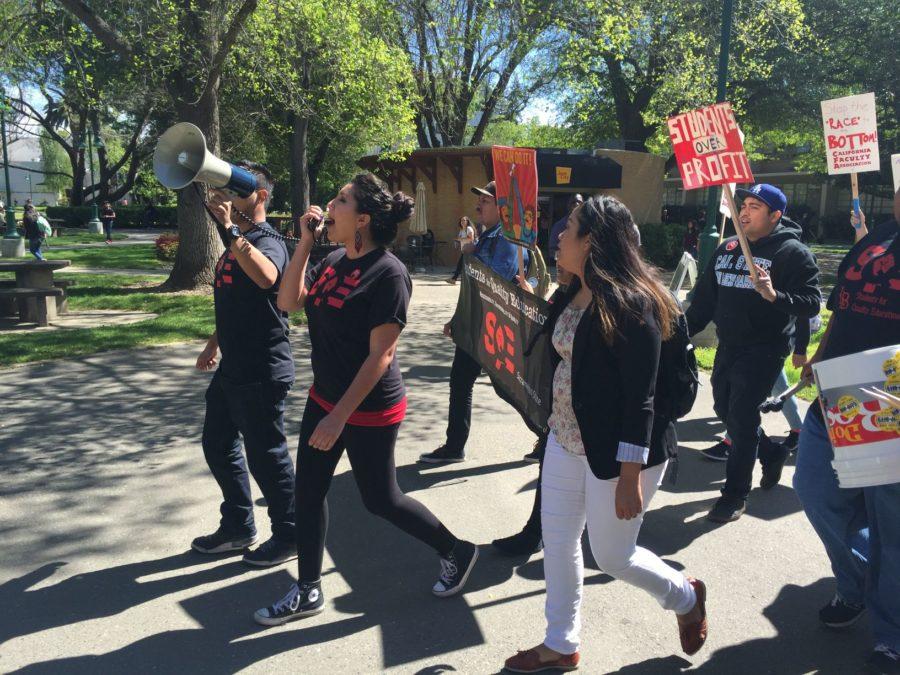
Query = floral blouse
x=562 y=417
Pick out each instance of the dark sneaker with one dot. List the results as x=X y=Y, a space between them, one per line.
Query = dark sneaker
x=537 y=452
x=521 y=543
x=302 y=600
x=776 y=456
x=272 y=552
x=443 y=455
x=718 y=452
x=221 y=541
x=455 y=569
x=883 y=660
x=840 y=614
x=727 y=510
x=791 y=440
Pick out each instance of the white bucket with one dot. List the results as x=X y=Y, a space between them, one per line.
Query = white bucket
x=864 y=431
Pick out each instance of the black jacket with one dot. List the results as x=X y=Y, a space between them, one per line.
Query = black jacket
x=725 y=292
x=613 y=386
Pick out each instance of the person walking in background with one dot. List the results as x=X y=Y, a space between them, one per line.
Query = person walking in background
x=465 y=236
x=602 y=467
x=691 y=239
x=33 y=232
x=108 y=217
x=575 y=201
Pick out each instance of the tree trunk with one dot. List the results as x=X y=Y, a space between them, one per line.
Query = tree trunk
x=199 y=245
x=299 y=164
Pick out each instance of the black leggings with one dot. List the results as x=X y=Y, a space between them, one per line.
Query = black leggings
x=371 y=452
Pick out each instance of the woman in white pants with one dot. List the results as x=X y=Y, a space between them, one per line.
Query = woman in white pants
x=606 y=453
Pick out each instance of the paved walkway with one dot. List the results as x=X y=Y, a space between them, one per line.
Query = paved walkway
x=103 y=485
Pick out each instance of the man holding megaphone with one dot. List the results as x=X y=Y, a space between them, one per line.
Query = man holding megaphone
x=247 y=394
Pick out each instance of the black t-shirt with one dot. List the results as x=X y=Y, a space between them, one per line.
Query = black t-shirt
x=866 y=299
x=252 y=331
x=107 y=215
x=346 y=300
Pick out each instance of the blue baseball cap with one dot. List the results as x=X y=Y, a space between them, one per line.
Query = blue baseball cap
x=768 y=194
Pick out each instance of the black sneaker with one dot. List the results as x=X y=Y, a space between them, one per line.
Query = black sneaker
x=272 y=552
x=455 y=569
x=521 y=543
x=718 y=452
x=727 y=510
x=791 y=440
x=883 y=660
x=302 y=600
x=443 y=455
x=776 y=456
x=221 y=541
x=840 y=614
x=537 y=452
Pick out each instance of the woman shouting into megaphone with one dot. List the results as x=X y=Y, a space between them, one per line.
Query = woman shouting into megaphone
x=356 y=301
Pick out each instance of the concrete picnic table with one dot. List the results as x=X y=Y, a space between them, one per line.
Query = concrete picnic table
x=35 y=294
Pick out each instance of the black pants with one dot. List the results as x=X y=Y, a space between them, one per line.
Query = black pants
x=371 y=452
x=256 y=412
x=463 y=373
x=742 y=378
x=459 y=267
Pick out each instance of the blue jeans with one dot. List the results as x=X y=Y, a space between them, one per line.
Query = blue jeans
x=859 y=529
x=34 y=246
x=790 y=410
x=255 y=412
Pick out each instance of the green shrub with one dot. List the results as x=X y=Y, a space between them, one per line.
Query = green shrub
x=126 y=216
x=662 y=243
x=166 y=246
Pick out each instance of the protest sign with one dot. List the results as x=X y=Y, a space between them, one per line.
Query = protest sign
x=709 y=151
x=515 y=173
x=851 y=134
x=494 y=322
x=895 y=169
x=851 y=138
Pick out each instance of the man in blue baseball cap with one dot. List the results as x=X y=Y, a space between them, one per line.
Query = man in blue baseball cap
x=755 y=324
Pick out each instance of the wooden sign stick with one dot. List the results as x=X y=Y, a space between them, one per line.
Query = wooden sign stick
x=742 y=238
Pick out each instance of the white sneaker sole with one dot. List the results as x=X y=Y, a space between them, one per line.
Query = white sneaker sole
x=435 y=460
x=237 y=545
x=456 y=589
x=268 y=621
x=269 y=563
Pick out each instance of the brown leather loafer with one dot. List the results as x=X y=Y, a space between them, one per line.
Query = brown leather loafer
x=693 y=635
x=530 y=662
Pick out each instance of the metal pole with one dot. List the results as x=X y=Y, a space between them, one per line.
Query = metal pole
x=709 y=239
x=11 y=232
x=94 y=225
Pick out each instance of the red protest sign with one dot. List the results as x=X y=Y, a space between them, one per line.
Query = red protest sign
x=708 y=147
x=515 y=174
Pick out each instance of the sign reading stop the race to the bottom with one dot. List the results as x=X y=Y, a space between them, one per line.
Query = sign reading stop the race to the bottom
x=851 y=134
x=708 y=147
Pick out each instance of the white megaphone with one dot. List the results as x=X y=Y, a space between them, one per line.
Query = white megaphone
x=181 y=158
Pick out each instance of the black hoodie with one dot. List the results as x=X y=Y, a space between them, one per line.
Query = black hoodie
x=725 y=292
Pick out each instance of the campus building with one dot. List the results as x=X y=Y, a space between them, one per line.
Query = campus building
x=448 y=174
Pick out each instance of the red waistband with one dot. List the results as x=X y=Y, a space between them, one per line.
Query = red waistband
x=376 y=418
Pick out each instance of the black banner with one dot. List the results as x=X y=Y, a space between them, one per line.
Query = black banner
x=494 y=322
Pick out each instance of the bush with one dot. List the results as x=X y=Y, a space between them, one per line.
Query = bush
x=126 y=216
x=662 y=243
x=166 y=246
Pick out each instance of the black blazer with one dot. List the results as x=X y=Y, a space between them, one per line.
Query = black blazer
x=613 y=386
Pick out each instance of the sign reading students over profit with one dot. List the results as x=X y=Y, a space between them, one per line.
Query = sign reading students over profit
x=708 y=147
x=515 y=174
x=494 y=322
x=851 y=134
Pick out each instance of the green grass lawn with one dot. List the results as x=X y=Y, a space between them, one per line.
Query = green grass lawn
x=181 y=317
x=136 y=257
x=706 y=356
